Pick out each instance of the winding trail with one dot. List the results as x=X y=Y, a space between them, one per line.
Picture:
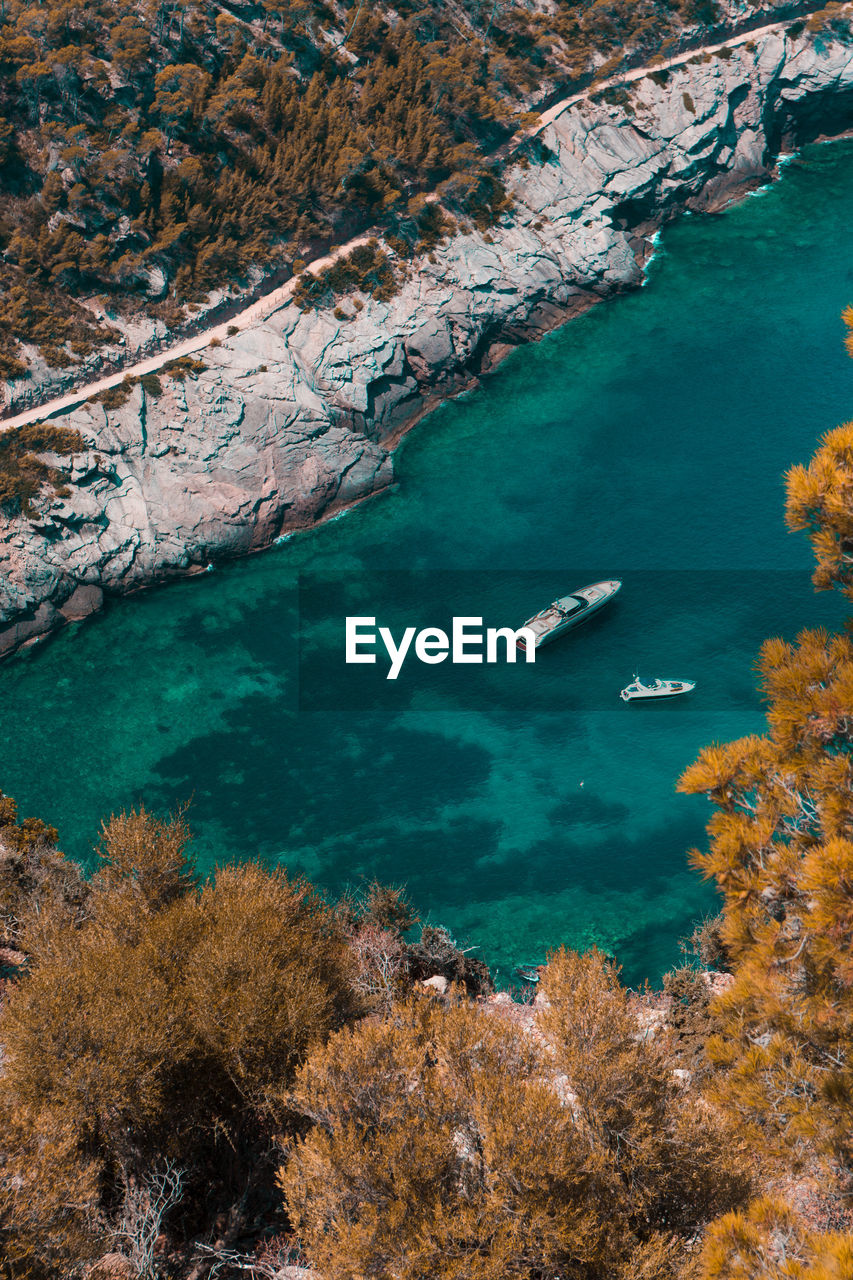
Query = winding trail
x=628 y=77
x=270 y=302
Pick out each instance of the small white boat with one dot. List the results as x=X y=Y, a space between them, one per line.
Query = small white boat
x=569 y=611
x=655 y=689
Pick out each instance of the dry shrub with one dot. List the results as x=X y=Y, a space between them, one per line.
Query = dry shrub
x=436 y=952
x=384 y=906
x=663 y=1156
x=447 y=1143
x=35 y=878
x=115 y=397
x=23 y=471
x=365 y=268
x=161 y=1029
x=380 y=966
x=769 y=1241
x=394 y=1179
x=690 y=1019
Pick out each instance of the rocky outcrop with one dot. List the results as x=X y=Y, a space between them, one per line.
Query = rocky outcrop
x=297 y=416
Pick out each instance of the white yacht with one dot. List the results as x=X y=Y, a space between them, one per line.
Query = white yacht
x=655 y=689
x=570 y=611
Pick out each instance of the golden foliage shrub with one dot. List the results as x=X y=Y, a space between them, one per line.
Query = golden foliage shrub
x=35 y=879
x=820 y=500
x=448 y=1143
x=23 y=470
x=771 y=1242
x=160 y=1027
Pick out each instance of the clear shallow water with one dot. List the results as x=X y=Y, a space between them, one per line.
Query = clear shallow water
x=645 y=440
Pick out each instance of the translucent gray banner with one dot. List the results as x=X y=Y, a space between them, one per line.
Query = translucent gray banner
x=705 y=627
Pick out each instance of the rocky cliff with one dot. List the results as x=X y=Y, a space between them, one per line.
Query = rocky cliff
x=297 y=416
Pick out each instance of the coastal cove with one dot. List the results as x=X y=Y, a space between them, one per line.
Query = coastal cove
x=645 y=440
x=295 y=418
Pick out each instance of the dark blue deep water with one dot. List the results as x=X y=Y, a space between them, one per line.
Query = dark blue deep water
x=523 y=807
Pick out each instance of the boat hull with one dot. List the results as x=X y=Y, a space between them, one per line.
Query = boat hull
x=549 y=625
x=638 y=692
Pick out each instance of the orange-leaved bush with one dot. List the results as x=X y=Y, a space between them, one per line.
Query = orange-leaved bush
x=448 y=1142
x=770 y=1241
x=156 y=1034
x=35 y=878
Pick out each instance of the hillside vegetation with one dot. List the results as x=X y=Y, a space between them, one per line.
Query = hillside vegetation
x=233 y=1074
x=151 y=151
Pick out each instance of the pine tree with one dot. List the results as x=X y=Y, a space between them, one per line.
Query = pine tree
x=781 y=853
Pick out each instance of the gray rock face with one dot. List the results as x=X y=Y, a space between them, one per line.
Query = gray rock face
x=82 y=601
x=297 y=416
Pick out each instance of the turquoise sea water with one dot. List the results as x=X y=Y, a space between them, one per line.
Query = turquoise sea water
x=523 y=806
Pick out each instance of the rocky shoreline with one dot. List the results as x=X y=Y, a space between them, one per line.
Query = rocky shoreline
x=297 y=417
